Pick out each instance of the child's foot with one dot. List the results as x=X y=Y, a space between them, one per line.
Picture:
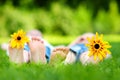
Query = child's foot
x=63 y=51
x=85 y=59
x=70 y=58
x=16 y=55
x=59 y=54
x=26 y=55
x=37 y=50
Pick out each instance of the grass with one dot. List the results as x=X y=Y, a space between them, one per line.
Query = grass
x=106 y=70
x=57 y=40
x=64 y=40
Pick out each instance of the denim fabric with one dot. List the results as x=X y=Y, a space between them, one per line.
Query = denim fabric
x=48 y=53
x=26 y=47
x=79 y=49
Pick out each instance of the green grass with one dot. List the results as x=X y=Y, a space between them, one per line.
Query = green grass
x=64 y=40
x=57 y=40
x=106 y=70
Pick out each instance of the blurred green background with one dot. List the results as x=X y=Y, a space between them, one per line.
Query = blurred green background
x=58 y=20
x=60 y=17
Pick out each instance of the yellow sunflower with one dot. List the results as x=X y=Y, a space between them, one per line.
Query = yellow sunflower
x=97 y=47
x=19 y=39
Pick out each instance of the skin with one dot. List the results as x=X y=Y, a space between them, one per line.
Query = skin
x=58 y=53
x=16 y=55
x=37 y=50
x=70 y=57
x=36 y=54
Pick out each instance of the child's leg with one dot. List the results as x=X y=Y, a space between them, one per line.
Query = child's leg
x=37 y=50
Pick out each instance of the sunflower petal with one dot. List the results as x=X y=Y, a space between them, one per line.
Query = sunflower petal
x=100 y=52
x=90 y=54
x=101 y=36
x=95 y=57
x=103 y=54
x=108 y=52
x=100 y=56
x=96 y=35
x=19 y=43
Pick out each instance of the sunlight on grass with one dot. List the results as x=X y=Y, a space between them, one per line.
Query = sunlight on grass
x=64 y=40
x=56 y=40
x=112 y=38
x=61 y=40
x=4 y=40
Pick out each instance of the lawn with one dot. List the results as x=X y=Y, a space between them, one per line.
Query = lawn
x=106 y=70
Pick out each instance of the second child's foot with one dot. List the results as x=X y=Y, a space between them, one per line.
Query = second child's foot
x=37 y=50
x=59 y=54
x=85 y=59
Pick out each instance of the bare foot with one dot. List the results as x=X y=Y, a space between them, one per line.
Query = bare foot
x=59 y=54
x=37 y=50
x=16 y=55
x=85 y=59
x=26 y=55
x=71 y=58
x=4 y=46
x=63 y=51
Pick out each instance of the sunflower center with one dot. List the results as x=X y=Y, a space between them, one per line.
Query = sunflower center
x=18 y=38
x=97 y=46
